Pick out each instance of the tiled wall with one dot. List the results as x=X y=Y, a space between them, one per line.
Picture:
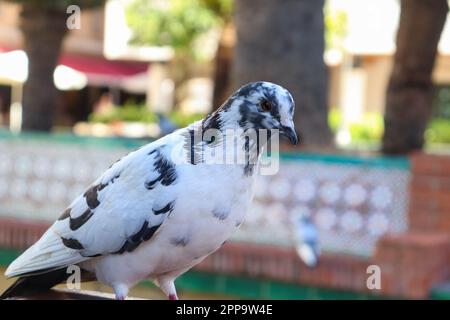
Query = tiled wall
x=39 y=179
x=352 y=201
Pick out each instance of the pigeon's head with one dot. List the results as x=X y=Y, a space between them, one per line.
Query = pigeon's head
x=263 y=105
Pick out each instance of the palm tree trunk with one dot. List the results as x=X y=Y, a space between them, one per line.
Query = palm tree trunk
x=222 y=66
x=283 y=42
x=408 y=98
x=43 y=30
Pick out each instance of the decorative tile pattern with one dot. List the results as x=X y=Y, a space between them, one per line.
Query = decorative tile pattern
x=40 y=179
x=351 y=204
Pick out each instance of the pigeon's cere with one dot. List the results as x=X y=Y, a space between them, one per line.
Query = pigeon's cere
x=163 y=208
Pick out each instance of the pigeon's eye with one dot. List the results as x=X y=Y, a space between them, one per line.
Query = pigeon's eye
x=266 y=105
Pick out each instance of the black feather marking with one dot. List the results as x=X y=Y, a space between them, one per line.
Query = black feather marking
x=91 y=194
x=167 y=208
x=76 y=223
x=180 y=241
x=246 y=90
x=251 y=155
x=138 y=236
x=149 y=232
x=72 y=243
x=291 y=108
x=212 y=121
x=110 y=182
x=248 y=170
x=91 y=256
x=91 y=197
x=33 y=284
x=249 y=119
x=144 y=234
x=151 y=184
x=221 y=214
x=65 y=214
x=165 y=168
x=40 y=281
x=227 y=105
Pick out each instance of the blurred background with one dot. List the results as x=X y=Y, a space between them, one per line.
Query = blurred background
x=84 y=82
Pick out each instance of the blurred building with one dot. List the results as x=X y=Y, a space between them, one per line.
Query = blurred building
x=96 y=63
x=359 y=73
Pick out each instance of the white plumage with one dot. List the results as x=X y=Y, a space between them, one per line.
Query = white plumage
x=161 y=209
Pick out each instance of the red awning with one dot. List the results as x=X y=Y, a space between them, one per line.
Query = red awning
x=99 y=66
x=99 y=70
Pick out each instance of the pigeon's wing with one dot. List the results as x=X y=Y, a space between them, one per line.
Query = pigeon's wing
x=122 y=209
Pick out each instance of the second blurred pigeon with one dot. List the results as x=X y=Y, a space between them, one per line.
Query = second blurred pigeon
x=306 y=238
x=166 y=125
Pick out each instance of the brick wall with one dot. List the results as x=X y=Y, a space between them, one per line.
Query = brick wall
x=415 y=261
x=20 y=234
x=341 y=272
x=430 y=193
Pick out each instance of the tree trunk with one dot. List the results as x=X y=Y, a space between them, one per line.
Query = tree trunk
x=43 y=31
x=282 y=41
x=408 y=98
x=222 y=66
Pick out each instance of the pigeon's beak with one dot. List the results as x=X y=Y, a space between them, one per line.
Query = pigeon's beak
x=289 y=132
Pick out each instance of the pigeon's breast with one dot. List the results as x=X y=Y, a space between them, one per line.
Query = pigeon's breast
x=209 y=205
x=206 y=216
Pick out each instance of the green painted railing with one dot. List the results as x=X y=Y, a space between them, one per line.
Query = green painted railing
x=253 y=288
x=130 y=143
x=68 y=138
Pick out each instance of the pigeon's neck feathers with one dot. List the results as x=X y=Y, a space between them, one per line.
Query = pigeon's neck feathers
x=228 y=116
x=221 y=120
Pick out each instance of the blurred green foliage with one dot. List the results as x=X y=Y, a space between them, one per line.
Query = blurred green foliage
x=178 y=23
x=182 y=119
x=369 y=128
x=175 y=23
x=438 y=131
x=335 y=28
x=132 y=112
x=441 y=101
x=128 y=113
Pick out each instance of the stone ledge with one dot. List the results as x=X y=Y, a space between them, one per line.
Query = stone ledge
x=66 y=294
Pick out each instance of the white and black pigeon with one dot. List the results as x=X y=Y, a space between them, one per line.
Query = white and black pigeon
x=155 y=214
x=306 y=237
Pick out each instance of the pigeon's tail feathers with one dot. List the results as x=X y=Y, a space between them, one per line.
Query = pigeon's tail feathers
x=46 y=254
x=308 y=255
x=33 y=284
